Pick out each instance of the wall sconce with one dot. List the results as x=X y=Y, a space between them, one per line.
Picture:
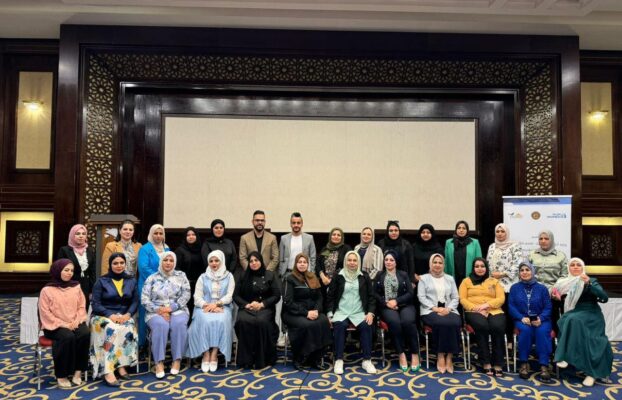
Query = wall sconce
x=598 y=115
x=32 y=105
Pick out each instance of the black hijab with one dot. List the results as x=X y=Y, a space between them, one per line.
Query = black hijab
x=427 y=244
x=476 y=279
x=113 y=275
x=461 y=241
x=387 y=240
x=192 y=247
x=246 y=288
x=212 y=238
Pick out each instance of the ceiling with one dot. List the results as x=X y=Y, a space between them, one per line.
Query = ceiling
x=598 y=23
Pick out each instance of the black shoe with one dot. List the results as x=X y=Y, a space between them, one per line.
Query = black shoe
x=124 y=377
x=114 y=383
x=298 y=365
x=545 y=375
x=320 y=366
x=524 y=371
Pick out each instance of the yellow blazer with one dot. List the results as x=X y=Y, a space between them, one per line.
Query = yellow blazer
x=490 y=291
x=116 y=247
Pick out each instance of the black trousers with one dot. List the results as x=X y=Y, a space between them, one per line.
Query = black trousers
x=445 y=332
x=70 y=349
x=493 y=325
x=402 y=325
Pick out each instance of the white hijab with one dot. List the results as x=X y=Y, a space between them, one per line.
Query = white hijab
x=221 y=272
x=571 y=286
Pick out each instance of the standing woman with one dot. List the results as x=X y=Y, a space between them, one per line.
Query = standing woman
x=165 y=297
x=461 y=251
x=148 y=263
x=481 y=297
x=404 y=250
x=308 y=327
x=438 y=299
x=82 y=258
x=582 y=339
x=551 y=264
x=330 y=259
x=426 y=243
x=211 y=328
x=256 y=295
x=218 y=241
x=530 y=308
x=113 y=333
x=504 y=257
x=124 y=243
x=351 y=300
x=62 y=310
x=369 y=253
x=394 y=297
x=190 y=260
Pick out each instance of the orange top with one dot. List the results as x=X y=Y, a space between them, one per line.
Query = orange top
x=58 y=307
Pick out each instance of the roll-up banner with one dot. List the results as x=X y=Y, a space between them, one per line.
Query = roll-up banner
x=526 y=216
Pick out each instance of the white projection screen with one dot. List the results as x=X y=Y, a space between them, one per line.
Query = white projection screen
x=345 y=173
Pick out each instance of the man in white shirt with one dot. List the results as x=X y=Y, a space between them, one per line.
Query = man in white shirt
x=295 y=243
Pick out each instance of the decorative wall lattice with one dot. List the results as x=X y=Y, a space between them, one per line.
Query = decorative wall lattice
x=27 y=241
x=602 y=246
x=105 y=69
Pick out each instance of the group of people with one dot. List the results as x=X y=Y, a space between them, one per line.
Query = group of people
x=315 y=298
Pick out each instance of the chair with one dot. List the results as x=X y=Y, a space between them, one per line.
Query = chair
x=149 y=352
x=553 y=338
x=426 y=331
x=470 y=331
x=382 y=329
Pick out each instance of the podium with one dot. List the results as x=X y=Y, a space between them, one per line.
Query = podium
x=104 y=223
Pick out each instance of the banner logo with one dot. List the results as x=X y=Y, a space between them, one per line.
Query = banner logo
x=536 y=215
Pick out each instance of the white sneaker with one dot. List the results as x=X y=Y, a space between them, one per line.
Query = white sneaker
x=588 y=381
x=368 y=366
x=160 y=374
x=205 y=366
x=562 y=364
x=213 y=366
x=338 y=368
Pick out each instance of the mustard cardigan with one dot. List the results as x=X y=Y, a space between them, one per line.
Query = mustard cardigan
x=490 y=291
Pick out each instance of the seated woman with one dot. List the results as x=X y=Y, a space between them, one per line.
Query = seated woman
x=165 y=297
x=582 y=340
x=83 y=259
x=530 y=308
x=124 y=243
x=438 y=297
x=148 y=263
x=211 y=329
x=113 y=333
x=351 y=301
x=256 y=295
x=308 y=328
x=63 y=318
x=394 y=296
x=482 y=297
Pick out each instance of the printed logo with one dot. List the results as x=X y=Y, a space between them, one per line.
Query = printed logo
x=536 y=215
x=515 y=215
x=557 y=215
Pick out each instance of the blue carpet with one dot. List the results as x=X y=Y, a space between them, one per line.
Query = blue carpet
x=283 y=382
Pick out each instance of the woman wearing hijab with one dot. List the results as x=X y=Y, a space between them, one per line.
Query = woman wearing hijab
x=148 y=264
x=62 y=311
x=351 y=300
x=394 y=297
x=503 y=257
x=481 y=297
x=330 y=259
x=308 y=327
x=370 y=254
x=426 y=243
x=582 y=340
x=530 y=308
x=403 y=249
x=438 y=299
x=124 y=243
x=211 y=328
x=256 y=295
x=83 y=259
x=113 y=333
x=190 y=259
x=218 y=241
x=550 y=264
x=165 y=297
x=461 y=251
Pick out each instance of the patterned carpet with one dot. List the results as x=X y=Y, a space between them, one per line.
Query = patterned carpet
x=283 y=382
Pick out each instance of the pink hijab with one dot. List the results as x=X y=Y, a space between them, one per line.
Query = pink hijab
x=80 y=249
